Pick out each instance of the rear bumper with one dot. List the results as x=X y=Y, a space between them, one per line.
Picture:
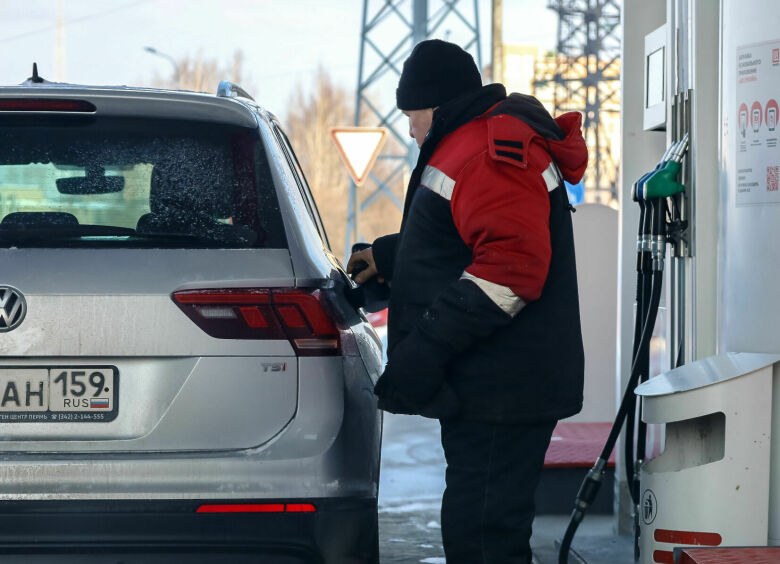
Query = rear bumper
x=329 y=450
x=341 y=530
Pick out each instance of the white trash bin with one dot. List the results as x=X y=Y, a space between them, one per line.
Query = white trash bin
x=711 y=484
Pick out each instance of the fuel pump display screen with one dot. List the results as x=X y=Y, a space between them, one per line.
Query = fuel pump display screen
x=655 y=78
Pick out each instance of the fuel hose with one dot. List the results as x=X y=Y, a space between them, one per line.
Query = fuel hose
x=592 y=483
x=651 y=189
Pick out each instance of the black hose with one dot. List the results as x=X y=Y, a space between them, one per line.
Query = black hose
x=643 y=268
x=563 y=555
x=592 y=482
x=641 y=448
x=678 y=362
x=660 y=210
x=653 y=220
x=641 y=444
x=647 y=333
x=644 y=288
x=628 y=447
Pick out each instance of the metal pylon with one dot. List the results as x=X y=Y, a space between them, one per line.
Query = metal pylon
x=390 y=29
x=586 y=78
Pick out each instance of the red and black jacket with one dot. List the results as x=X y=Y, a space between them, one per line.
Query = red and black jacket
x=484 y=296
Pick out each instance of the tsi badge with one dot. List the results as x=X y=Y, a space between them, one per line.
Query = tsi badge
x=274 y=366
x=13 y=308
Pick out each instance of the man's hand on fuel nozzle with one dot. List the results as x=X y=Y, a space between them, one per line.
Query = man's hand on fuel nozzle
x=363 y=266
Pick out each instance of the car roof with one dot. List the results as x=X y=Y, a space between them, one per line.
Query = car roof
x=127 y=101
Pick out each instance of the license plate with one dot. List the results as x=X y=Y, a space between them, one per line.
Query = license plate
x=58 y=393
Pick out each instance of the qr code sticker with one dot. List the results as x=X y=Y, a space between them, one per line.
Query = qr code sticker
x=771 y=178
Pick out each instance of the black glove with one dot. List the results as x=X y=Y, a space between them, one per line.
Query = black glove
x=388 y=397
x=371 y=295
x=443 y=405
x=414 y=380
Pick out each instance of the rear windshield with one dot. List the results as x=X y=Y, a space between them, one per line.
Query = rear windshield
x=135 y=183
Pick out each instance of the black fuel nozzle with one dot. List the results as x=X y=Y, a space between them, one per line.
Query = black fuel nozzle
x=640 y=235
x=589 y=489
x=639 y=194
x=658 y=233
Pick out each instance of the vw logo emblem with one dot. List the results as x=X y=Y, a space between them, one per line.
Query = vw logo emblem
x=13 y=308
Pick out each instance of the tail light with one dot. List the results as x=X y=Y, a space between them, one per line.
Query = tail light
x=304 y=317
x=257 y=508
x=45 y=105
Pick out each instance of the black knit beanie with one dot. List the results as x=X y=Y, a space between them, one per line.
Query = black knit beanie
x=436 y=72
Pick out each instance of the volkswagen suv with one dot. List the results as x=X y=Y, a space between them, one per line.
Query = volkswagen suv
x=181 y=372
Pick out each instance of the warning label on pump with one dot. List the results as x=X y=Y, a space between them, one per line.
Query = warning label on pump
x=758 y=156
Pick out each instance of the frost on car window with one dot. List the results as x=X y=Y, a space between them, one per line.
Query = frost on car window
x=190 y=190
x=189 y=186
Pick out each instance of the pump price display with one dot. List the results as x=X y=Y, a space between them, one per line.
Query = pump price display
x=71 y=393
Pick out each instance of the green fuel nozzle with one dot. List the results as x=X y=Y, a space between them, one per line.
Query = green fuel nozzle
x=637 y=189
x=663 y=184
x=658 y=187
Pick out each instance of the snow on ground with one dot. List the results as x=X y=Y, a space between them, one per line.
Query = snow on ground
x=410 y=488
x=412 y=462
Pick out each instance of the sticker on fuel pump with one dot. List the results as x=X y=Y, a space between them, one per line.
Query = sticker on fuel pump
x=648 y=507
x=757 y=155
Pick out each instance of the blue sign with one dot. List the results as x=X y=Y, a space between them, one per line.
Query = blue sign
x=576 y=192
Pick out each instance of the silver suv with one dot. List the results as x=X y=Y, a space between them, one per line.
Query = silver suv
x=181 y=372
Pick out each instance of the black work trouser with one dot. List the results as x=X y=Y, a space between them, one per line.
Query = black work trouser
x=488 y=505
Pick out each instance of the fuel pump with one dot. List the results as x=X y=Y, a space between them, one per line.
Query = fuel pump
x=647 y=192
x=660 y=189
x=643 y=290
x=659 y=223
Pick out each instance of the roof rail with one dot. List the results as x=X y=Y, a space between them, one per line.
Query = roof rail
x=227 y=89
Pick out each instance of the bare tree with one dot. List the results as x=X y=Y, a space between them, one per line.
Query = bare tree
x=200 y=74
x=310 y=117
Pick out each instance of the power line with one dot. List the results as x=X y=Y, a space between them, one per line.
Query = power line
x=74 y=20
x=404 y=23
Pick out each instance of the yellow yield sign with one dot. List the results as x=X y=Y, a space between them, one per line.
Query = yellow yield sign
x=359 y=148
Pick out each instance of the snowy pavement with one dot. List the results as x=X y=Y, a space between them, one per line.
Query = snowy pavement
x=410 y=490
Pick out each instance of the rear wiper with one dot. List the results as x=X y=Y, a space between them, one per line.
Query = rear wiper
x=31 y=233
x=178 y=236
